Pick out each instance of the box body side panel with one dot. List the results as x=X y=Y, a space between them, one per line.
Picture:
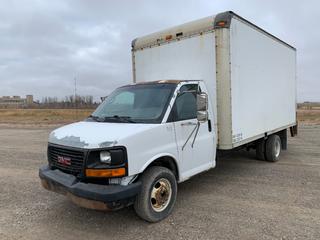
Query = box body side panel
x=263 y=83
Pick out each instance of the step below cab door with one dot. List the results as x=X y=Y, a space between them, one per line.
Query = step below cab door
x=195 y=140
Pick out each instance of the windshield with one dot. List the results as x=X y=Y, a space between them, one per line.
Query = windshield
x=142 y=103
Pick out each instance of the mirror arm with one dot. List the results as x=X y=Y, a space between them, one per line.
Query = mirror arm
x=189 y=137
x=196 y=134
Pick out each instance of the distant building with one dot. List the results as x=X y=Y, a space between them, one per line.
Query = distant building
x=16 y=101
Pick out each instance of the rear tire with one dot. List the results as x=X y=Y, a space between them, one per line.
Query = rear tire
x=273 y=148
x=158 y=194
x=260 y=149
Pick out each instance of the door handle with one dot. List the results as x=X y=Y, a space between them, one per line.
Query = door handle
x=209 y=125
x=188 y=124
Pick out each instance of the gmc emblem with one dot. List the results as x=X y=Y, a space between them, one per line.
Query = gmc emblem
x=64 y=160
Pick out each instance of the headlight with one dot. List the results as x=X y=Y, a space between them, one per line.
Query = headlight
x=105 y=157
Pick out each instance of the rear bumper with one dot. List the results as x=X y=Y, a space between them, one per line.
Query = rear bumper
x=93 y=196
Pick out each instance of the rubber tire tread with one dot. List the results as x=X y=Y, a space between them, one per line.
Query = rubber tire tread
x=142 y=203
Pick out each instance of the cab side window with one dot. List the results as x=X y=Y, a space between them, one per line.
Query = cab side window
x=185 y=106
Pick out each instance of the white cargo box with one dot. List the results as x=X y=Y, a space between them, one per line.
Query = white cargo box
x=250 y=74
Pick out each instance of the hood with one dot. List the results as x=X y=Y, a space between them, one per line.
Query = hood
x=95 y=134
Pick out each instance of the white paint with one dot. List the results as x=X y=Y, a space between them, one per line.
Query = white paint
x=263 y=82
x=201 y=156
x=143 y=141
x=254 y=90
x=93 y=134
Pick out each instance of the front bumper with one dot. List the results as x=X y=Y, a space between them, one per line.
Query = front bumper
x=88 y=195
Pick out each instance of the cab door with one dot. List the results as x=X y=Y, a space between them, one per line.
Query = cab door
x=195 y=141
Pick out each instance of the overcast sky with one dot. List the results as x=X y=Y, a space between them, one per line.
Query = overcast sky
x=44 y=45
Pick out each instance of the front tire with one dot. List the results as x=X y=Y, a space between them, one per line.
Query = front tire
x=158 y=194
x=273 y=148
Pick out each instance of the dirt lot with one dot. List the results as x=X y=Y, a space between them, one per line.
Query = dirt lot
x=241 y=198
x=309 y=116
x=42 y=116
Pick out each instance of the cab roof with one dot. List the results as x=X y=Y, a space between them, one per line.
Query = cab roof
x=172 y=81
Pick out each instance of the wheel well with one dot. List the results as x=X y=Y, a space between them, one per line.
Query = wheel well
x=282 y=134
x=167 y=162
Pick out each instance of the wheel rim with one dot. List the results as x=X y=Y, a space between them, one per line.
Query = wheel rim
x=161 y=194
x=277 y=149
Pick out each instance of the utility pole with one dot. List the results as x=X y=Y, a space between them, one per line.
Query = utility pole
x=75 y=97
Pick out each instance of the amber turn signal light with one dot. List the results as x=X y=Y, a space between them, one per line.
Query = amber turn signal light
x=117 y=172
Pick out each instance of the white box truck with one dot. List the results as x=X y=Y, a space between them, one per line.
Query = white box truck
x=218 y=83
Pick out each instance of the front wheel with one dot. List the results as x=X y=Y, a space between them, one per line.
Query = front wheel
x=158 y=194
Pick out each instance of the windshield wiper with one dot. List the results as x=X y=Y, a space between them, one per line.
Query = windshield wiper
x=96 y=118
x=125 y=119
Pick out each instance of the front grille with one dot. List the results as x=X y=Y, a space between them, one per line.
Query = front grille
x=74 y=159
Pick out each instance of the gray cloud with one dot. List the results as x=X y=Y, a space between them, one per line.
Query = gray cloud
x=45 y=44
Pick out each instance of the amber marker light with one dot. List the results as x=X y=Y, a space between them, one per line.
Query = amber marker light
x=168 y=37
x=117 y=172
x=221 y=24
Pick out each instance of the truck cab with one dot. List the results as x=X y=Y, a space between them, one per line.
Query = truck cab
x=134 y=148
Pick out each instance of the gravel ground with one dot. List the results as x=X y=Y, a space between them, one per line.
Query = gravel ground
x=241 y=198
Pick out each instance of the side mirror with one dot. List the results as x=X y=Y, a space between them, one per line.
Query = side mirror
x=202 y=116
x=202 y=107
x=202 y=101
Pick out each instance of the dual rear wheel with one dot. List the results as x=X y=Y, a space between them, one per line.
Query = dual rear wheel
x=269 y=149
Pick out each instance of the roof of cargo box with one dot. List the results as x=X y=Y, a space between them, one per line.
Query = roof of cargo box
x=221 y=20
x=187 y=29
